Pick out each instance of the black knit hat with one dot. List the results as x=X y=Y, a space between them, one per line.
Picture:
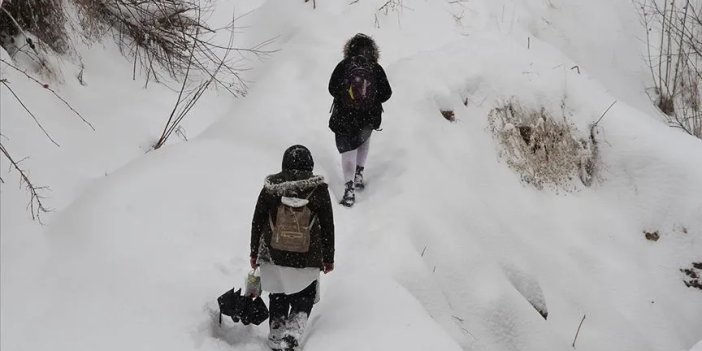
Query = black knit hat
x=298 y=157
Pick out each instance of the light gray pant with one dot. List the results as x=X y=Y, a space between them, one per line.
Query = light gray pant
x=353 y=158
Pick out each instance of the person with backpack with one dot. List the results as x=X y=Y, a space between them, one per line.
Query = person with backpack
x=359 y=87
x=292 y=239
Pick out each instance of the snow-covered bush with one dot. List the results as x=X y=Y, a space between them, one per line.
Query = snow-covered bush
x=544 y=151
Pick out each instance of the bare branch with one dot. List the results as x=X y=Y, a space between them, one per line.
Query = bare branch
x=604 y=113
x=47 y=87
x=35 y=205
x=5 y=83
x=183 y=105
x=578 y=332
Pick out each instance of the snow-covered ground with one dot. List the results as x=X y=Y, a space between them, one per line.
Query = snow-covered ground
x=444 y=249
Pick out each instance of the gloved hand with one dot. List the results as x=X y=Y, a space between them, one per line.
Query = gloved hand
x=252 y=261
x=328 y=267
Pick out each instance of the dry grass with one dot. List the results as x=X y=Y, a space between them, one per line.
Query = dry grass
x=546 y=153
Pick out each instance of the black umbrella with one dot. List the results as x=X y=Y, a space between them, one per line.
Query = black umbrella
x=255 y=311
x=242 y=308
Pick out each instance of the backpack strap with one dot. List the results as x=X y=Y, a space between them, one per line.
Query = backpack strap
x=314 y=217
x=311 y=192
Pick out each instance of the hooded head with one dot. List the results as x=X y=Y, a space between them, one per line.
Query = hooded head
x=298 y=158
x=363 y=45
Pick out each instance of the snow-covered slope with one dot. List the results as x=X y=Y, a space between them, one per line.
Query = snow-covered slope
x=445 y=248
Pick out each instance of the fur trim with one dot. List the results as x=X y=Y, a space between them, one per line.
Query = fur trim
x=292 y=185
x=358 y=44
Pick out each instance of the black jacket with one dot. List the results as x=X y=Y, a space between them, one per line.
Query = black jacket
x=295 y=184
x=347 y=121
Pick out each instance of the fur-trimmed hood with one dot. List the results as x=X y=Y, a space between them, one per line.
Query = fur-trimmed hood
x=363 y=45
x=282 y=183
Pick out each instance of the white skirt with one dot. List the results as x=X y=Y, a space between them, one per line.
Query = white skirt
x=286 y=280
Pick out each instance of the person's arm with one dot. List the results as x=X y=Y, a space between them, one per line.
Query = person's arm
x=260 y=219
x=326 y=222
x=336 y=88
x=384 y=90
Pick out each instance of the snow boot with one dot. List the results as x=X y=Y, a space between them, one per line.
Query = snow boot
x=275 y=335
x=349 y=196
x=358 y=179
x=293 y=331
x=290 y=344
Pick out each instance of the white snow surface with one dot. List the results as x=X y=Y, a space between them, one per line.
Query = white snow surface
x=140 y=244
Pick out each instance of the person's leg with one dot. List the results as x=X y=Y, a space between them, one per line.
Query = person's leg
x=303 y=301
x=362 y=154
x=278 y=316
x=361 y=157
x=348 y=164
x=300 y=308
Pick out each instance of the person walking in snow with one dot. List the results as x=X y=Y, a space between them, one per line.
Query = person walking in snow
x=359 y=87
x=292 y=239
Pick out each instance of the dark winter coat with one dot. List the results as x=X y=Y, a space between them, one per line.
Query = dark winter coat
x=296 y=180
x=345 y=120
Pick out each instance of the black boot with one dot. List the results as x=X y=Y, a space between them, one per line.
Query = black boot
x=349 y=197
x=358 y=178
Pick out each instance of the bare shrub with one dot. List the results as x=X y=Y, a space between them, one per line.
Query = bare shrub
x=388 y=7
x=543 y=151
x=168 y=36
x=43 y=18
x=674 y=43
x=32 y=32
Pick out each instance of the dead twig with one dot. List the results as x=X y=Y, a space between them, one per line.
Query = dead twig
x=604 y=113
x=578 y=332
x=35 y=204
x=5 y=83
x=47 y=87
x=314 y=3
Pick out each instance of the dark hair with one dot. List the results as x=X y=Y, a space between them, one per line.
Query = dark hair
x=298 y=157
x=363 y=45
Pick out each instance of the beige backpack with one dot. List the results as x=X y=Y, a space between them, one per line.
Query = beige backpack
x=293 y=222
